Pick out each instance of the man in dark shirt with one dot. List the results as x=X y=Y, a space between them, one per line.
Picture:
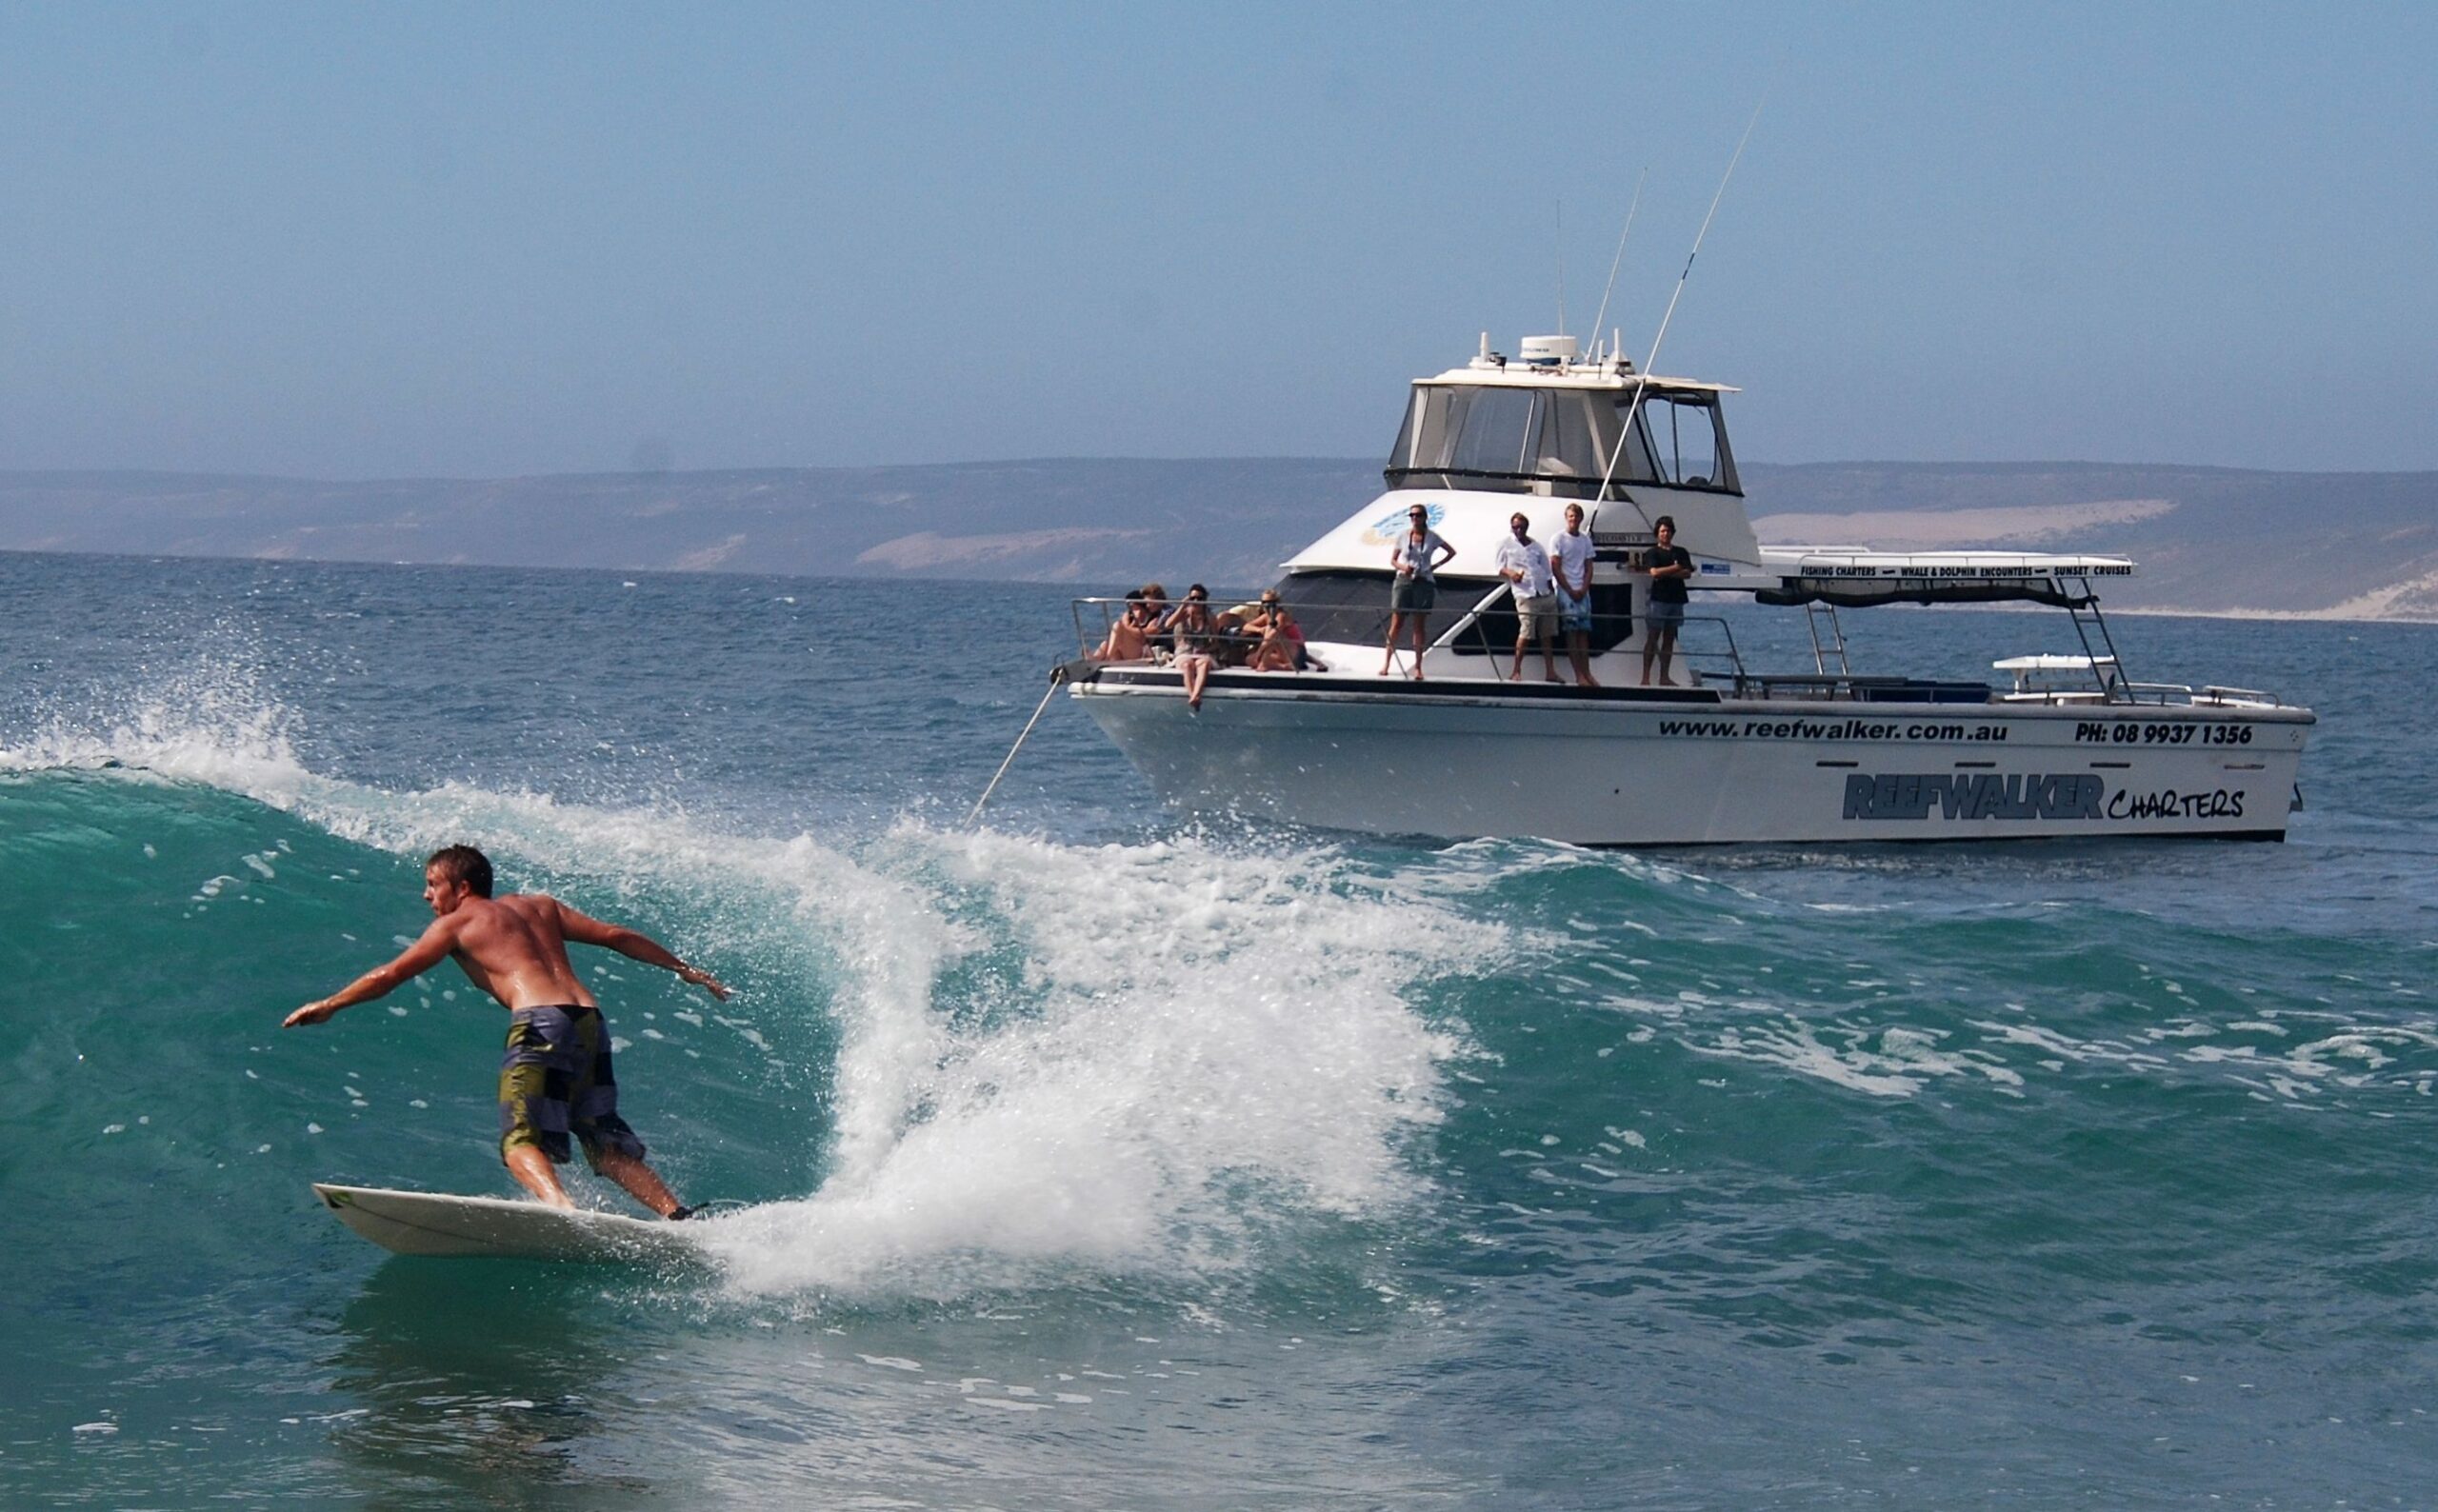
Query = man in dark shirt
x=1670 y=565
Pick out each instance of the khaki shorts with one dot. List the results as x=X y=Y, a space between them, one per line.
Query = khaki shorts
x=1535 y=618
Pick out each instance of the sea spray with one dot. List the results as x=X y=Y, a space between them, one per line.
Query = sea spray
x=1208 y=1041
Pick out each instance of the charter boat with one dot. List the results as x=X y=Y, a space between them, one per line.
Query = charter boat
x=1447 y=746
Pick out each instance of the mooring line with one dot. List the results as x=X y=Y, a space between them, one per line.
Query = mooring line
x=1056 y=680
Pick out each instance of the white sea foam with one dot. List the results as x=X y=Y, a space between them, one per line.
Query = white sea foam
x=1892 y=1062
x=1208 y=1041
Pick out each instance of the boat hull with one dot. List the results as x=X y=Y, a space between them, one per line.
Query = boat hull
x=1456 y=759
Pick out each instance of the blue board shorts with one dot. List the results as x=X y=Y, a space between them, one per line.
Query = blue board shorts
x=554 y=1080
x=1667 y=614
x=1574 y=615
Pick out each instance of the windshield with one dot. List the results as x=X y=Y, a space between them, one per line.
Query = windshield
x=1557 y=441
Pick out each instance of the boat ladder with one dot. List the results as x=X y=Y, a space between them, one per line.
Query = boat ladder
x=1817 y=615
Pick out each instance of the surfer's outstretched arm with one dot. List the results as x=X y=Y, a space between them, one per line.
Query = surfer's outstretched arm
x=636 y=945
x=417 y=958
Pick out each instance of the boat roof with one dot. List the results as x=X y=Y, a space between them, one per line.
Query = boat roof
x=1853 y=563
x=1618 y=375
x=1859 y=577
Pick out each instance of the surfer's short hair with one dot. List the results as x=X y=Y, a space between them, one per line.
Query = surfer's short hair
x=464 y=864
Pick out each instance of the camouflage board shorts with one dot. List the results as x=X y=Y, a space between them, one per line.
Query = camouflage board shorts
x=554 y=1080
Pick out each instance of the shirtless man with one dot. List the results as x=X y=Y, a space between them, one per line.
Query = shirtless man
x=554 y=1079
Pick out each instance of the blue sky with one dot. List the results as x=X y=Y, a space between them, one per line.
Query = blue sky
x=359 y=241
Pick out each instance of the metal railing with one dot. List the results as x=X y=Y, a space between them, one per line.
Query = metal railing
x=1471 y=634
x=1706 y=646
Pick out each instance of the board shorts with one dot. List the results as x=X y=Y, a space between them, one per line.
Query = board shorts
x=1533 y=617
x=1574 y=615
x=1412 y=596
x=554 y=1080
x=1670 y=615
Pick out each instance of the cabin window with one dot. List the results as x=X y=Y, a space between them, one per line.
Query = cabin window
x=1687 y=446
x=1558 y=441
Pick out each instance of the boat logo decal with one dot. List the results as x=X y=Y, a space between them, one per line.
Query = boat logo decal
x=2017 y=795
x=1384 y=530
x=1974 y=795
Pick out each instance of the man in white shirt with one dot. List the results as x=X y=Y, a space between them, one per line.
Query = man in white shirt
x=1570 y=557
x=1525 y=564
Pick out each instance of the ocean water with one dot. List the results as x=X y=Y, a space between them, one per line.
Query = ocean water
x=1090 y=1158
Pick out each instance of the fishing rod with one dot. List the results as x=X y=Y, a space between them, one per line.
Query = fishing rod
x=1557 y=232
x=1642 y=379
x=1618 y=261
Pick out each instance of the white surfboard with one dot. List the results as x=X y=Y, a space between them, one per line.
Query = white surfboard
x=500 y=1228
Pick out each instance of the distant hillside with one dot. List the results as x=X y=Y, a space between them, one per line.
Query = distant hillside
x=1047 y=521
x=2218 y=540
x=2208 y=538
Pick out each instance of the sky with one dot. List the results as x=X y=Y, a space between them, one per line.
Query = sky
x=391 y=240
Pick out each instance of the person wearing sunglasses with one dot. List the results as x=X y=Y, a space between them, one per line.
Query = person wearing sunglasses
x=1280 y=645
x=1197 y=635
x=1129 y=635
x=1417 y=558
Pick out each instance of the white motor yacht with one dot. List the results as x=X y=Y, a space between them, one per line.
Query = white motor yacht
x=2068 y=746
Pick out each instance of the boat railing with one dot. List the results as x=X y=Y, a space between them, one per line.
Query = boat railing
x=1705 y=644
x=2213 y=693
x=1725 y=657
x=2161 y=693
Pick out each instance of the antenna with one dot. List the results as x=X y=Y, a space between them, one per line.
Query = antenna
x=1558 y=230
x=1642 y=380
x=1617 y=261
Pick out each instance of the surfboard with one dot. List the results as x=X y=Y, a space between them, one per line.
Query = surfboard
x=501 y=1228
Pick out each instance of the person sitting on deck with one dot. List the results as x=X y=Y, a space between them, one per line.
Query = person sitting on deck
x=1157 y=598
x=1281 y=647
x=1196 y=631
x=1238 y=636
x=1129 y=635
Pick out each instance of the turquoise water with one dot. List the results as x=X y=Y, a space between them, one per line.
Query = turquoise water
x=1095 y=1159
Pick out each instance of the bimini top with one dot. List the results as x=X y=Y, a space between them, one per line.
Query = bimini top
x=1858 y=576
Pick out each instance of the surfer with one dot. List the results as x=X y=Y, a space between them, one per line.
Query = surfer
x=554 y=1079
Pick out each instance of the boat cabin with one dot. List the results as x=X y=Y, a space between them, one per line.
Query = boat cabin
x=1552 y=426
